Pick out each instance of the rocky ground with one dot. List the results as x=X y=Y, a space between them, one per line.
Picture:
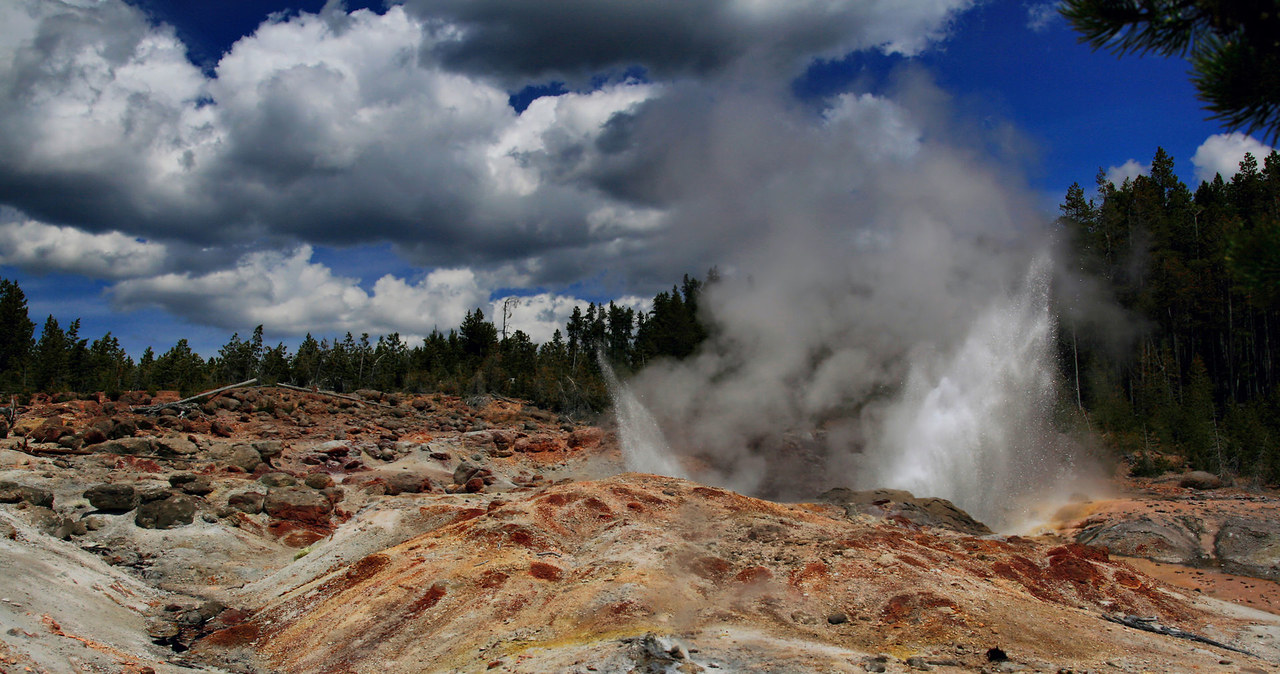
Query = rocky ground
x=267 y=530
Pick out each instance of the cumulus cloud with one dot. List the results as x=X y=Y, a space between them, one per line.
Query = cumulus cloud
x=1127 y=171
x=1222 y=153
x=112 y=255
x=516 y=40
x=289 y=293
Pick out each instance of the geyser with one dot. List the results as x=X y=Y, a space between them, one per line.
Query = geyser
x=972 y=426
x=644 y=449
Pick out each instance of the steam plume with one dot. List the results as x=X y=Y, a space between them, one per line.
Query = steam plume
x=884 y=320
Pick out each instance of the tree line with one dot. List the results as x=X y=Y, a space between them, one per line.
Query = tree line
x=477 y=357
x=1192 y=367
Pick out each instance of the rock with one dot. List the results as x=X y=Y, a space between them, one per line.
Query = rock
x=1249 y=547
x=299 y=504
x=121 y=428
x=318 y=480
x=69 y=527
x=177 y=510
x=837 y=619
x=221 y=428
x=278 y=480
x=268 y=449
x=244 y=457
x=466 y=471
x=407 y=483
x=1199 y=479
x=585 y=438
x=174 y=445
x=128 y=446
x=929 y=512
x=247 y=501
x=12 y=492
x=192 y=484
x=475 y=485
x=1161 y=541
x=4 y=429
x=93 y=436
x=50 y=431
x=112 y=498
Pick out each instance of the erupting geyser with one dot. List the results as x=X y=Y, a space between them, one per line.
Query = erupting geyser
x=644 y=449
x=972 y=426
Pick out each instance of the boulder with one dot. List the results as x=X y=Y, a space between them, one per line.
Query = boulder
x=268 y=449
x=407 y=483
x=247 y=501
x=221 y=428
x=12 y=492
x=112 y=498
x=121 y=428
x=300 y=504
x=174 y=445
x=175 y=511
x=244 y=457
x=1249 y=547
x=1164 y=541
x=1199 y=479
x=196 y=485
x=318 y=480
x=886 y=503
x=51 y=430
x=278 y=480
x=130 y=446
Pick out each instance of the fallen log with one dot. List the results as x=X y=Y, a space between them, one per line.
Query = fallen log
x=152 y=409
x=1151 y=625
x=332 y=394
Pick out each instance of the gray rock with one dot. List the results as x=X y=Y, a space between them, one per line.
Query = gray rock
x=112 y=498
x=244 y=457
x=1249 y=547
x=930 y=512
x=12 y=492
x=268 y=449
x=1164 y=541
x=407 y=483
x=174 y=445
x=247 y=501
x=1199 y=479
x=278 y=480
x=318 y=480
x=175 y=511
x=129 y=446
x=69 y=527
x=300 y=504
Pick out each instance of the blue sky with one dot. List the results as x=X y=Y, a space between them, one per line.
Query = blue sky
x=175 y=169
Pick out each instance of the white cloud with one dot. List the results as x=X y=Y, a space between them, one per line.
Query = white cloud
x=1221 y=153
x=1127 y=171
x=1041 y=14
x=289 y=294
x=40 y=247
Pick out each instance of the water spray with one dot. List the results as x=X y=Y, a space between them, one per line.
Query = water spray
x=644 y=447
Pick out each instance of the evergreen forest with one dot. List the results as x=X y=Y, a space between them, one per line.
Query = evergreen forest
x=475 y=358
x=1187 y=368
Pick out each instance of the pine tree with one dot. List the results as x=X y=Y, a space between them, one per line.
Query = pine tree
x=16 y=331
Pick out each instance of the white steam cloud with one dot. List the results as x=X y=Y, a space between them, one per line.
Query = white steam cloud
x=885 y=323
